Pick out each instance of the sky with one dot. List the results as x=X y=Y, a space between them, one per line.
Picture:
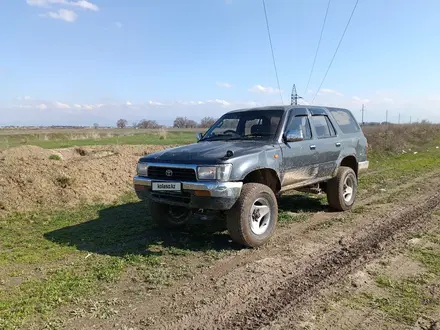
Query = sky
x=79 y=62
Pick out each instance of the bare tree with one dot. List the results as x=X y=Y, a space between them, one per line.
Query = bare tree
x=190 y=124
x=207 y=122
x=183 y=122
x=121 y=123
x=180 y=122
x=144 y=123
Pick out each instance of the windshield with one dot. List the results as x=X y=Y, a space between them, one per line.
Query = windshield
x=254 y=124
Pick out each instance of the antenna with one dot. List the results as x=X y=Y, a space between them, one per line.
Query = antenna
x=294 y=96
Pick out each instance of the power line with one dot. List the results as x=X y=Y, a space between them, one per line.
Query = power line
x=337 y=48
x=271 y=48
x=317 y=48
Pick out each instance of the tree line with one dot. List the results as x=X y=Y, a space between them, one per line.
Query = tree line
x=179 y=122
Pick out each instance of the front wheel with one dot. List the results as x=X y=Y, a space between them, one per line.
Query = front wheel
x=342 y=189
x=252 y=219
x=169 y=216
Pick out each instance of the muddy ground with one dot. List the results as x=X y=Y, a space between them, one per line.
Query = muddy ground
x=328 y=271
x=281 y=285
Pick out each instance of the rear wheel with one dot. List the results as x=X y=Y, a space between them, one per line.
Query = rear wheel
x=169 y=216
x=342 y=189
x=252 y=219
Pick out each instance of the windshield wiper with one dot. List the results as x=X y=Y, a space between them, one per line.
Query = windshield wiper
x=220 y=136
x=256 y=135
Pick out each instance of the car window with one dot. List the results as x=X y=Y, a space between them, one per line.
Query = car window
x=323 y=127
x=262 y=124
x=301 y=123
x=345 y=120
x=330 y=125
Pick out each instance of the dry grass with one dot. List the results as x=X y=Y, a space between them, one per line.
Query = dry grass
x=399 y=138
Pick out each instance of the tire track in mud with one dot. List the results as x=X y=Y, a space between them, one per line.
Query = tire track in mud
x=234 y=285
x=333 y=264
x=213 y=300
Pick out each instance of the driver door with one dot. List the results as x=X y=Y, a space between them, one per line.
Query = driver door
x=300 y=158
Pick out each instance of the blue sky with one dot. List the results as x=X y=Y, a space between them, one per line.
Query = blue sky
x=80 y=62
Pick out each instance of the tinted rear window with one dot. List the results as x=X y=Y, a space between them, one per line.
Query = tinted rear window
x=345 y=120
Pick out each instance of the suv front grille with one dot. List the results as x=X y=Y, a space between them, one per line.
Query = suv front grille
x=181 y=174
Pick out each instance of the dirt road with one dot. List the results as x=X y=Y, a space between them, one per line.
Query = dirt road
x=268 y=288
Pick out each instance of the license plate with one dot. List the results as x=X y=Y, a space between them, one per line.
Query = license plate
x=166 y=186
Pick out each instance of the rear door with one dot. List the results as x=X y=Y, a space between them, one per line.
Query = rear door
x=300 y=161
x=327 y=142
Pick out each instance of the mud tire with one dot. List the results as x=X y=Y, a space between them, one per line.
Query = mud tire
x=336 y=189
x=239 y=217
x=162 y=216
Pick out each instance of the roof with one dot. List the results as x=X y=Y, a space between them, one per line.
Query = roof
x=282 y=107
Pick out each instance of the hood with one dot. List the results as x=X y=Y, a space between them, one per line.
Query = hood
x=206 y=152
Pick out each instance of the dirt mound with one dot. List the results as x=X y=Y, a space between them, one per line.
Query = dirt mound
x=33 y=178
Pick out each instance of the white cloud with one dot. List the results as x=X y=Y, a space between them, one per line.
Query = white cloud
x=223 y=85
x=41 y=106
x=27 y=98
x=128 y=103
x=222 y=102
x=88 y=106
x=83 y=4
x=264 y=90
x=118 y=25
x=60 y=105
x=154 y=103
x=357 y=99
x=78 y=106
x=62 y=14
x=325 y=91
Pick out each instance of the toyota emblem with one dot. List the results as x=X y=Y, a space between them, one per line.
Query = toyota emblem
x=169 y=173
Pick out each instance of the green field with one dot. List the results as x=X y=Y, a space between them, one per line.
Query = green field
x=90 y=137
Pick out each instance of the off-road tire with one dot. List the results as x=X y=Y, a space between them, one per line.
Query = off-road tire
x=238 y=218
x=335 y=189
x=161 y=217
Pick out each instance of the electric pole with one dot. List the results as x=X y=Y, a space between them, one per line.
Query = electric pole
x=410 y=119
x=399 y=119
x=294 y=96
x=363 y=110
x=386 y=117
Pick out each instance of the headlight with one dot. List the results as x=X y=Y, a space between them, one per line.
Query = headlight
x=142 y=169
x=218 y=172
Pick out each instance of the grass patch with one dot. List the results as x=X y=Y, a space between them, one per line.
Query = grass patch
x=429 y=258
x=60 y=140
x=51 y=258
x=404 y=300
x=64 y=181
x=285 y=217
x=55 y=157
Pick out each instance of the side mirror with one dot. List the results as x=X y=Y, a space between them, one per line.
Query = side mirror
x=293 y=135
x=199 y=136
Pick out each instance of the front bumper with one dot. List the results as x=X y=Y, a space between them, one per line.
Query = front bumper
x=209 y=195
x=363 y=166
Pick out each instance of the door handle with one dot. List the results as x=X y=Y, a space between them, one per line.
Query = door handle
x=312 y=147
x=338 y=144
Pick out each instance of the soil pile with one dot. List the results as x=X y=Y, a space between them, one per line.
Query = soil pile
x=34 y=178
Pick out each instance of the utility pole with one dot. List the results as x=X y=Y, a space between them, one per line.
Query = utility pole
x=386 y=117
x=399 y=119
x=294 y=96
x=363 y=110
x=410 y=119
